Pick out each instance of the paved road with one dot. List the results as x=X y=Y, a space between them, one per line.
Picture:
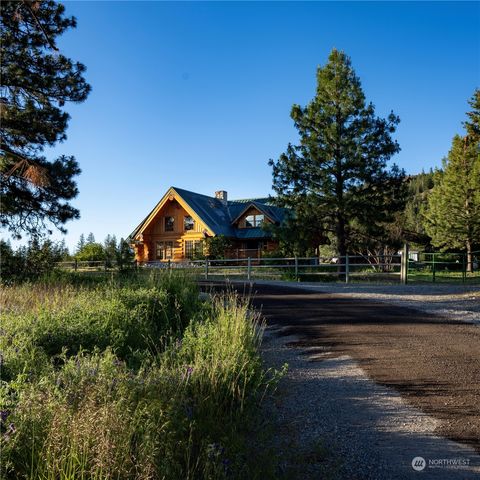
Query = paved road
x=433 y=362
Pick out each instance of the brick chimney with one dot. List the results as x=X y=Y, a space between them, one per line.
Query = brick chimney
x=221 y=195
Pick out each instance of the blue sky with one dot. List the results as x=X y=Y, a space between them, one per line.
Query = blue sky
x=198 y=95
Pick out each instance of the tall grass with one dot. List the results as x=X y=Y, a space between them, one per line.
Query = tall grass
x=128 y=378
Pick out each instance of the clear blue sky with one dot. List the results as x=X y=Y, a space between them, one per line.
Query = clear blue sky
x=198 y=95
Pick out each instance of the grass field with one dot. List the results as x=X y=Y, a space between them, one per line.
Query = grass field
x=129 y=377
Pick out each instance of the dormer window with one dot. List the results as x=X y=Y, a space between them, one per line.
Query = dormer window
x=252 y=221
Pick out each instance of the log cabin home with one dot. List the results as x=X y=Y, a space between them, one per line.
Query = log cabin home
x=176 y=229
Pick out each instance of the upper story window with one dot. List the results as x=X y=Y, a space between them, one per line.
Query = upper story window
x=188 y=223
x=254 y=220
x=169 y=224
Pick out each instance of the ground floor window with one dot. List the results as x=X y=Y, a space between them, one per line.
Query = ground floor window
x=253 y=245
x=164 y=250
x=193 y=248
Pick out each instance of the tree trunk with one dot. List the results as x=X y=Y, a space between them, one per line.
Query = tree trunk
x=469 y=257
x=341 y=245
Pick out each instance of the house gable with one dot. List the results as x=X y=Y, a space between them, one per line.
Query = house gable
x=249 y=211
x=151 y=222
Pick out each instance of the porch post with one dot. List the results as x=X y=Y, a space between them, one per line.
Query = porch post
x=404 y=265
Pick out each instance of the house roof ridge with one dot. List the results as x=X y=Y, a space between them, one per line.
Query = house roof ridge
x=251 y=200
x=178 y=189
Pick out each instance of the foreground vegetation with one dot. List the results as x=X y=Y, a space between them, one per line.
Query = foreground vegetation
x=131 y=377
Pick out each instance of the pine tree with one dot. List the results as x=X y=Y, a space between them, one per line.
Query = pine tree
x=63 y=251
x=453 y=216
x=81 y=243
x=125 y=254
x=335 y=180
x=110 y=248
x=90 y=238
x=37 y=80
x=472 y=125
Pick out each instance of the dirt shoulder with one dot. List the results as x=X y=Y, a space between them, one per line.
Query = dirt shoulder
x=434 y=362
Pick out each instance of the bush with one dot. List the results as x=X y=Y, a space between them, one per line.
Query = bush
x=37 y=258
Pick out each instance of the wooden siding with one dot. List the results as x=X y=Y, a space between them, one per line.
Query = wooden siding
x=155 y=232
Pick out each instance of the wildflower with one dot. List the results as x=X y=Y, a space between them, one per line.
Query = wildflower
x=189 y=411
x=188 y=372
x=4 y=415
x=226 y=465
x=215 y=450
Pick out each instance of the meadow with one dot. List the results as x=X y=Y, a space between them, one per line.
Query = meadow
x=130 y=377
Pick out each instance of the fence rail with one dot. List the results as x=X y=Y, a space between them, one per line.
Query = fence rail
x=397 y=268
x=293 y=268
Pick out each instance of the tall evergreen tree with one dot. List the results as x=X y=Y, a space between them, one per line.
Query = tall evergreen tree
x=335 y=180
x=472 y=125
x=90 y=238
x=125 y=255
x=453 y=215
x=81 y=243
x=110 y=248
x=36 y=81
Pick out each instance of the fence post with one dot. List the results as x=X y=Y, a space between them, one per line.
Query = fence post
x=169 y=264
x=296 y=268
x=206 y=268
x=105 y=265
x=464 y=268
x=347 y=268
x=433 y=267
x=76 y=265
x=404 y=265
x=249 y=268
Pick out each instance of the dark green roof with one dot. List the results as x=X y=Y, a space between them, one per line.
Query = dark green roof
x=219 y=215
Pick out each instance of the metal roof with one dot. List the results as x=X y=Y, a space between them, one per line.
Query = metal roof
x=218 y=215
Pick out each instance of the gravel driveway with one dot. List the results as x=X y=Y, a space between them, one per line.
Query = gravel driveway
x=333 y=422
x=370 y=385
x=457 y=302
